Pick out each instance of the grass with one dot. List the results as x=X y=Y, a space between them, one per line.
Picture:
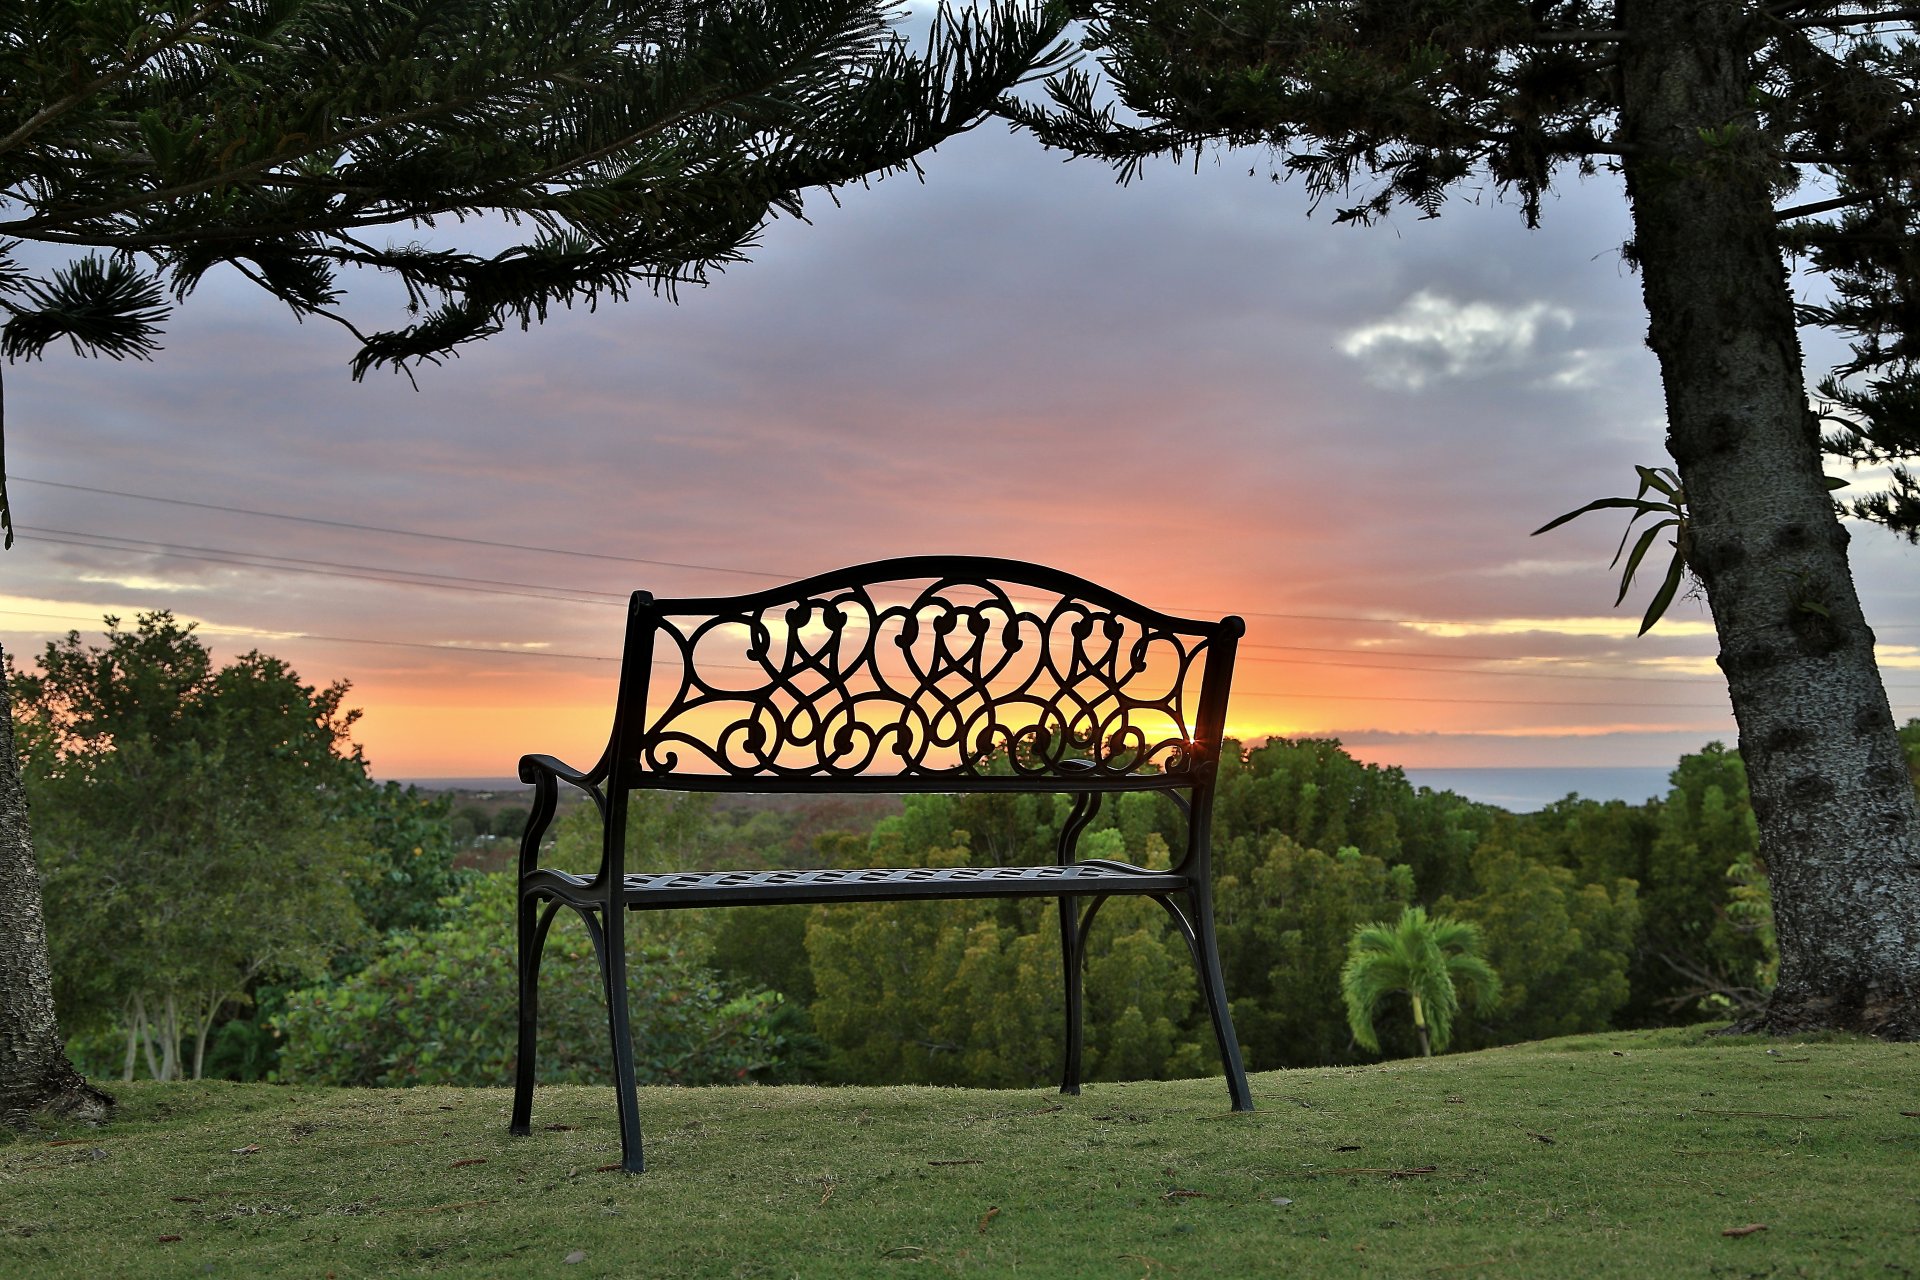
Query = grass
x=1617 y=1155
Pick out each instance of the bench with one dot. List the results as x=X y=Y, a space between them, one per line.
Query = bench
x=922 y=674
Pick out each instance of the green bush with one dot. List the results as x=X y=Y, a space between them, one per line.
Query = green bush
x=439 y=1007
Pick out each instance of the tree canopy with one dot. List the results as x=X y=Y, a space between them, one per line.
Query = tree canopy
x=1746 y=132
x=197 y=829
x=495 y=158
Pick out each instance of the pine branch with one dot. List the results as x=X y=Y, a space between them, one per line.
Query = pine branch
x=132 y=67
x=1836 y=21
x=1574 y=37
x=1819 y=206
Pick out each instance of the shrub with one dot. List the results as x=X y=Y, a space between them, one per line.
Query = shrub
x=438 y=1007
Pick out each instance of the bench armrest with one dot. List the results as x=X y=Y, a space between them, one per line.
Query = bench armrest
x=531 y=767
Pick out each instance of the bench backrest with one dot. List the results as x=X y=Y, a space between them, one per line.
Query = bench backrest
x=925 y=673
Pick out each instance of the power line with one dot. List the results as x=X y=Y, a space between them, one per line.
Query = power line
x=398 y=533
x=367 y=640
x=582 y=595
x=324 y=568
x=1478 y=702
x=1460 y=657
x=668 y=662
x=670 y=564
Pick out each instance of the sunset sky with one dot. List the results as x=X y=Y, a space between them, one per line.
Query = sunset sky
x=1188 y=390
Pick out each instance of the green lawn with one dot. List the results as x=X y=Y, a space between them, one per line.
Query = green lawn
x=1619 y=1155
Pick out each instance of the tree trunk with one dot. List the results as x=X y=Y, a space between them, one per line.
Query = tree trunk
x=170 y=1039
x=144 y=1026
x=1420 y=1025
x=1838 y=827
x=35 y=1076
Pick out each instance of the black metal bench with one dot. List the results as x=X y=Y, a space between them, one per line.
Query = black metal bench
x=923 y=674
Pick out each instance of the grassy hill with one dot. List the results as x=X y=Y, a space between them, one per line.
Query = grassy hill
x=1665 y=1153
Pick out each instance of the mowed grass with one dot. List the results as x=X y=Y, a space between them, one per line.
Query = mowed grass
x=1618 y=1155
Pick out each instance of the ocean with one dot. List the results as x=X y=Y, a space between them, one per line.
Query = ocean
x=1518 y=790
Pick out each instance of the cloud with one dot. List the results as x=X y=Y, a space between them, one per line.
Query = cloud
x=1434 y=337
x=1616 y=627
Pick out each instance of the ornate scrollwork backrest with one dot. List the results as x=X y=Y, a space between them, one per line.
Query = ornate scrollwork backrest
x=938 y=668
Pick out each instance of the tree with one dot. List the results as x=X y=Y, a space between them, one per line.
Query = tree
x=34 y=1072
x=1714 y=111
x=969 y=991
x=430 y=1009
x=1285 y=915
x=626 y=144
x=201 y=828
x=1565 y=948
x=1428 y=959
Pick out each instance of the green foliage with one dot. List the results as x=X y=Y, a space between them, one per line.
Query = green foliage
x=414 y=851
x=971 y=991
x=468 y=821
x=766 y=947
x=199 y=829
x=436 y=1007
x=1670 y=512
x=1284 y=915
x=1320 y=797
x=1706 y=830
x=1750 y=911
x=1693 y=857
x=1564 y=948
x=933 y=992
x=1429 y=959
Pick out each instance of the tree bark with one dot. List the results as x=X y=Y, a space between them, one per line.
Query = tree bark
x=35 y=1076
x=1838 y=827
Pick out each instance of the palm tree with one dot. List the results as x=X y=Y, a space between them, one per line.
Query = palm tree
x=1432 y=959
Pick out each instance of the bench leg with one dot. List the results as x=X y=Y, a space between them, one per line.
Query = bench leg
x=1072 y=958
x=1074 y=927
x=533 y=926
x=1206 y=955
x=1196 y=926
x=613 y=965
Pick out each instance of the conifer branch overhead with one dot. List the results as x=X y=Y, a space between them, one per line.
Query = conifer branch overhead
x=1378 y=107
x=642 y=144
x=635 y=145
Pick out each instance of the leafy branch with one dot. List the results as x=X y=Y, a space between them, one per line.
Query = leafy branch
x=1669 y=511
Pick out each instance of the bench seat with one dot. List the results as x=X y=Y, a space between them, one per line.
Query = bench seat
x=643 y=890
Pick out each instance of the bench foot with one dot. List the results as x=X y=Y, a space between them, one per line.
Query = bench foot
x=1195 y=924
x=613 y=967
x=533 y=927
x=1213 y=983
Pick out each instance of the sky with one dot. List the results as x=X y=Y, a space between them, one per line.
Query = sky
x=1187 y=389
